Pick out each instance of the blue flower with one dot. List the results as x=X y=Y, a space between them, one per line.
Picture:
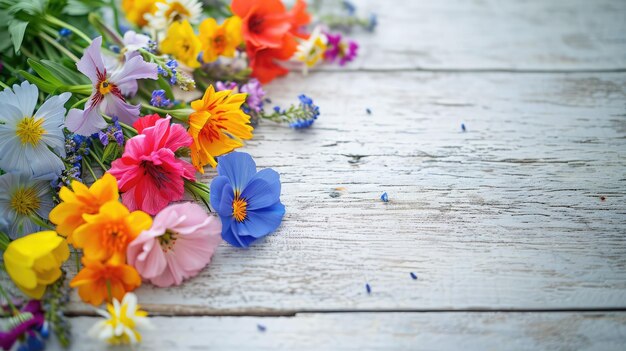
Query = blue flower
x=384 y=197
x=64 y=32
x=307 y=113
x=372 y=22
x=247 y=202
x=349 y=6
x=159 y=99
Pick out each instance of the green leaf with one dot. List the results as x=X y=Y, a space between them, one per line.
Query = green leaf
x=40 y=83
x=17 y=30
x=45 y=73
x=5 y=40
x=65 y=74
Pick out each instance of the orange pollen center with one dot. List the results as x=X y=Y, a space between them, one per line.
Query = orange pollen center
x=177 y=12
x=114 y=238
x=105 y=87
x=239 y=209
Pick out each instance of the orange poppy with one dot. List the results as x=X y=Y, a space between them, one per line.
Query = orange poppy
x=264 y=62
x=97 y=279
x=264 y=23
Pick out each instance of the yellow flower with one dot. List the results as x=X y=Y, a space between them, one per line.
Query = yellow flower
x=217 y=127
x=311 y=51
x=182 y=43
x=68 y=215
x=122 y=322
x=136 y=9
x=33 y=262
x=220 y=40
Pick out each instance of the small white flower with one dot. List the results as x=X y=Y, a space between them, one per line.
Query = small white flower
x=311 y=51
x=122 y=322
x=174 y=10
x=31 y=143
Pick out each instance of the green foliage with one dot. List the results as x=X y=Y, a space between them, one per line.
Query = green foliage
x=53 y=77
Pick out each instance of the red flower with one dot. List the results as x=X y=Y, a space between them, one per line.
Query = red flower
x=269 y=31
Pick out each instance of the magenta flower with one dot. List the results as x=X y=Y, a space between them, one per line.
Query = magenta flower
x=30 y=326
x=180 y=243
x=255 y=94
x=149 y=174
x=338 y=49
x=107 y=90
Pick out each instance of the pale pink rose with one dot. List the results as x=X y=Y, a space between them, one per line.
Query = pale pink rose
x=181 y=241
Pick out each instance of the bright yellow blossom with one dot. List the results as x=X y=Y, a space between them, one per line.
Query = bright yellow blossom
x=220 y=40
x=136 y=9
x=122 y=322
x=34 y=261
x=68 y=215
x=217 y=127
x=182 y=43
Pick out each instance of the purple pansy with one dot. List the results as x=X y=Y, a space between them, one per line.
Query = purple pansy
x=107 y=90
x=255 y=94
x=30 y=323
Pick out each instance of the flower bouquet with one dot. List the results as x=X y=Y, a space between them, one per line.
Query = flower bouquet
x=111 y=112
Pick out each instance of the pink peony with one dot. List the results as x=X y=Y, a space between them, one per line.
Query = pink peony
x=149 y=174
x=180 y=243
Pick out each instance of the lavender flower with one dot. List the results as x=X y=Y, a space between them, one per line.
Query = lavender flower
x=255 y=94
x=112 y=133
x=219 y=86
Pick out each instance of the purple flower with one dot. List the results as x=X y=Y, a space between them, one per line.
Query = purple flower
x=26 y=323
x=339 y=49
x=107 y=90
x=112 y=133
x=219 y=86
x=255 y=94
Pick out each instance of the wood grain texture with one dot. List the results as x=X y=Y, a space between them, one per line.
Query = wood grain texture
x=491 y=34
x=381 y=331
x=505 y=216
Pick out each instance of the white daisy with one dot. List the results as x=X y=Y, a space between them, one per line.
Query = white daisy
x=169 y=11
x=122 y=322
x=23 y=197
x=311 y=51
x=32 y=143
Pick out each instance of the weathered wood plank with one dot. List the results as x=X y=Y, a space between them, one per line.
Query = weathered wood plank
x=491 y=34
x=381 y=331
x=505 y=216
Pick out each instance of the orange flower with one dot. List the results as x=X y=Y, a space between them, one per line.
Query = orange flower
x=96 y=279
x=269 y=31
x=106 y=235
x=136 y=9
x=68 y=215
x=217 y=127
x=264 y=62
x=220 y=40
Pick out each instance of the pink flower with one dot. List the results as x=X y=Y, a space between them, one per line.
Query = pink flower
x=180 y=243
x=148 y=174
x=108 y=87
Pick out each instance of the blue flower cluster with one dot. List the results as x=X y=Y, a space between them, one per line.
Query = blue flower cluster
x=159 y=99
x=307 y=115
x=172 y=65
x=76 y=147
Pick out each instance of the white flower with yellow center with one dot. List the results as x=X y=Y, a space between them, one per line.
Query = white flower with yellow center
x=122 y=322
x=311 y=51
x=24 y=201
x=32 y=143
x=170 y=11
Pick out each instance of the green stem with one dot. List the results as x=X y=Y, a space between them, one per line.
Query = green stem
x=77 y=259
x=4 y=85
x=6 y=297
x=181 y=115
x=115 y=15
x=4 y=241
x=85 y=89
x=40 y=222
x=63 y=24
x=97 y=159
x=81 y=101
x=88 y=166
x=60 y=47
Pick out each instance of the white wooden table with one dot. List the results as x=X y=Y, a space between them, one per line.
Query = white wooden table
x=516 y=229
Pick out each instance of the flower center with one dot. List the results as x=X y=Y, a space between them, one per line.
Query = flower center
x=177 y=12
x=167 y=240
x=25 y=201
x=239 y=209
x=30 y=131
x=105 y=87
x=156 y=173
x=219 y=41
x=115 y=237
x=255 y=24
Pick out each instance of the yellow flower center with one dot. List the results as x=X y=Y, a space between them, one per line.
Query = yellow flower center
x=179 y=11
x=239 y=209
x=167 y=240
x=25 y=201
x=30 y=131
x=105 y=87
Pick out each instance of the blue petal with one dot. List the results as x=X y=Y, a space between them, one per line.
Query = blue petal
x=263 y=190
x=217 y=186
x=244 y=240
x=238 y=167
x=225 y=206
x=227 y=232
x=260 y=223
